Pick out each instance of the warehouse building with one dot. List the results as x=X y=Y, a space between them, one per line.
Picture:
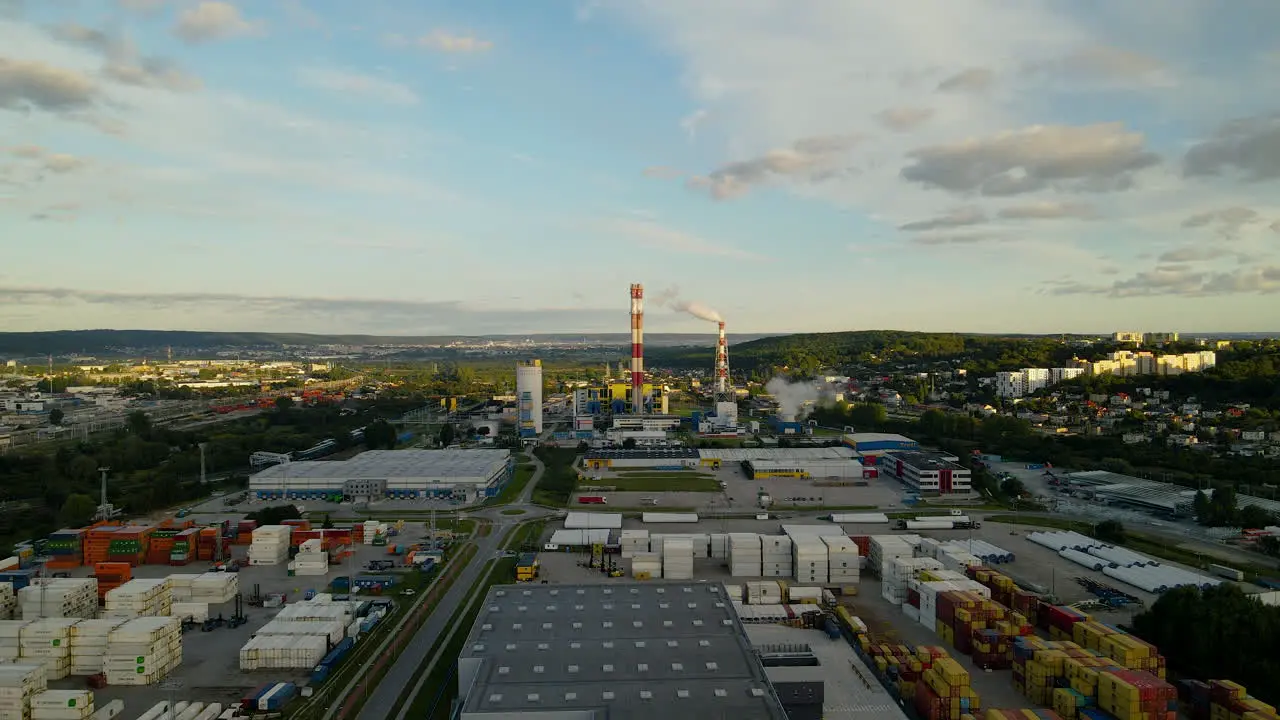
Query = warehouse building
x=928 y=472
x=838 y=469
x=583 y=652
x=657 y=458
x=467 y=475
x=878 y=443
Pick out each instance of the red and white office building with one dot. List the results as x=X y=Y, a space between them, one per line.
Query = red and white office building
x=928 y=472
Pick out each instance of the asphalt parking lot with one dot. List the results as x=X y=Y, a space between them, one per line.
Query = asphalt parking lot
x=210 y=670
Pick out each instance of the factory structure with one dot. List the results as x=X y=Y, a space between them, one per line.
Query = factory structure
x=529 y=398
x=411 y=474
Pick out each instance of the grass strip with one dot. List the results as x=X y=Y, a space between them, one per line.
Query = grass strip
x=434 y=699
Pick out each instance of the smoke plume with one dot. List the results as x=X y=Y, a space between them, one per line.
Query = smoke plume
x=670 y=298
x=794 y=398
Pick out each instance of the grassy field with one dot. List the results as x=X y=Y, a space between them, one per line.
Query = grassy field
x=524 y=472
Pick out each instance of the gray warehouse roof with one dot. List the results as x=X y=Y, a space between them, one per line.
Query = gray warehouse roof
x=839 y=452
x=433 y=465
x=661 y=649
x=1154 y=494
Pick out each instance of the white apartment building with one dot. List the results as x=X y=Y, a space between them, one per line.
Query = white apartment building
x=1020 y=383
x=1129 y=363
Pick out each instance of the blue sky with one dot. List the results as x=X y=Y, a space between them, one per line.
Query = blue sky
x=488 y=166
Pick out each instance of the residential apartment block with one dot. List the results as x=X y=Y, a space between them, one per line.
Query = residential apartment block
x=1020 y=383
x=1129 y=363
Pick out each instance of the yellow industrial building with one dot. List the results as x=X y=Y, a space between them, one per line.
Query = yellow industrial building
x=614 y=397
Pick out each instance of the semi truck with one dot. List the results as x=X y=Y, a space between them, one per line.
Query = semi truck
x=592 y=500
x=942 y=522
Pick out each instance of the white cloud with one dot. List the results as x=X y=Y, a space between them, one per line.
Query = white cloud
x=446 y=42
x=969 y=80
x=690 y=122
x=653 y=234
x=904 y=119
x=214 y=20
x=354 y=83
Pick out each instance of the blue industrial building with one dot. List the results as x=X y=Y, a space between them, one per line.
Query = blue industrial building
x=878 y=443
x=467 y=475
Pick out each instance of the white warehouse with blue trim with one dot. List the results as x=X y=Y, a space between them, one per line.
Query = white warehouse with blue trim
x=466 y=475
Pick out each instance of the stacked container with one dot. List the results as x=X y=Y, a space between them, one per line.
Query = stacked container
x=809 y=559
x=646 y=565
x=65 y=549
x=129 y=544
x=884 y=548
x=901 y=570
x=323 y=611
x=265 y=652
x=18 y=684
x=677 y=558
x=110 y=576
x=312 y=559
x=764 y=592
x=89 y=645
x=160 y=545
x=48 y=642
x=744 y=555
x=270 y=545
x=143 y=651
x=215 y=587
x=374 y=533
x=842 y=560
x=59 y=597
x=10 y=634
x=194 y=611
x=631 y=542
x=333 y=630
x=8 y=601
x=140 y=598
x=62 y=705
x=776 y=556
x=184 y=546
x=945 y=692
x=180 y=586
x=719 y=546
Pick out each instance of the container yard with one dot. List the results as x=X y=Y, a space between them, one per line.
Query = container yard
x=1005 y=623
x=127 y=606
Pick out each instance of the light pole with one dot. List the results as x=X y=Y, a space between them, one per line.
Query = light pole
x=171 y=688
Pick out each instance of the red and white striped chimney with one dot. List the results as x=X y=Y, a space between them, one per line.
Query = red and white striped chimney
x=637 y=348
x=722 y=365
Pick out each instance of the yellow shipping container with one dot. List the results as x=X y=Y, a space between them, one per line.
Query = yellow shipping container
x=952 y=671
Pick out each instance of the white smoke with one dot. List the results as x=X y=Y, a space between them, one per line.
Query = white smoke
x=794 y=398
x=670 y=298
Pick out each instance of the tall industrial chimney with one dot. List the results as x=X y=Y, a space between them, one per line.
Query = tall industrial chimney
x=637 y=348
x=723 y=392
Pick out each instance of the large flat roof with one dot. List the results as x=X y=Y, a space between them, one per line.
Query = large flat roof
x=846 y=695
x=671 y=452
x=926 y=460
x=625 y=652
x=401 y=464
x=1153 y=494
x=870 y=437
x=838 y=452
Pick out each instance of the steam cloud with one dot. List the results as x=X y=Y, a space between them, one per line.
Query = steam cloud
x=670 y=298
x=793 y=398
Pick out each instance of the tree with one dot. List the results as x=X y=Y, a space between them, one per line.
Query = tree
x=1013 y=488
x=482 y=431
x=380 y=434
x=284 y=404
x=78 y=510
x=629 y=444
x=55 y=416
x=327 y=524
x=275 y=514
x=446 y=435
x=139 y=424
x=1252 y=517
x=1111 y=531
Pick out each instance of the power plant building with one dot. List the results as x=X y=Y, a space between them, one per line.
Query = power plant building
x=529 y=398
x=468 y=475
x=659 y=649
x=615 y=398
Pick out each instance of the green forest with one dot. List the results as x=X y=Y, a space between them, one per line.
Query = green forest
x=1219 y=634
x=46 y=487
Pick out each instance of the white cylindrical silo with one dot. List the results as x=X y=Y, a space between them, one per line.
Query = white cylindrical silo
x=529 y=396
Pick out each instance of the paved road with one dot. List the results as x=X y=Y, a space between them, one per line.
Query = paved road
x=404 y=673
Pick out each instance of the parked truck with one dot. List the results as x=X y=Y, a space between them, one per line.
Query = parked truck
x=592 y=500
x=942 y=522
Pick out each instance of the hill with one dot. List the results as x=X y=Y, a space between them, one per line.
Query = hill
x=130 y=342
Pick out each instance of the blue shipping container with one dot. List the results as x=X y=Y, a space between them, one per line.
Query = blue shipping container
x=319 y=674
x=279 y=696
x=338 y=652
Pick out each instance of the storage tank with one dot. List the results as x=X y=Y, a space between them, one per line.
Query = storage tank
x=529 y=380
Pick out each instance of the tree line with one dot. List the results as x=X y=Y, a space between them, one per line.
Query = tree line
x=1219 y=633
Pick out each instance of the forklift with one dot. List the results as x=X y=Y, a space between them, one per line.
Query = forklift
x=256 y=599
x=237 y=617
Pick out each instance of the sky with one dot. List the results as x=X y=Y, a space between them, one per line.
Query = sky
x=447 y=167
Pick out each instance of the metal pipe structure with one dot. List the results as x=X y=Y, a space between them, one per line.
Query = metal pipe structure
x=637 y=348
